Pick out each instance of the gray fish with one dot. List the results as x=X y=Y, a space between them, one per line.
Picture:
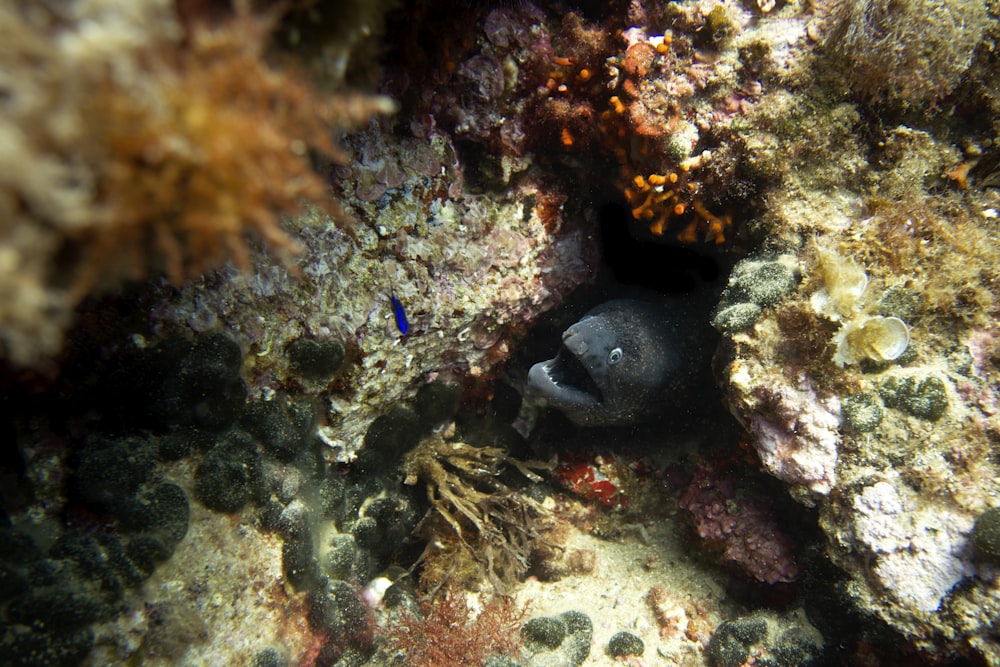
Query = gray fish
x=619 y=364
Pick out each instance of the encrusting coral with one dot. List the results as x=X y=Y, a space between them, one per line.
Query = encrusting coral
x=739 y=525
x=869 y=390
x=146 y=142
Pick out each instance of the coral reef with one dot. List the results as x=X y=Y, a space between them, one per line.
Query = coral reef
x=301 y=455
x=470 y=270
x=664 y=119
x=919 y=546
x=911 y=53
x=795 y=431
x=857 y=389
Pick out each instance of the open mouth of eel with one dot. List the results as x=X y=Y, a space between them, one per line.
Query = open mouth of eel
x=566 y=380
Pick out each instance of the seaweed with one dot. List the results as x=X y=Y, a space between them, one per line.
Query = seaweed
x=448 y=628
x=475 y=517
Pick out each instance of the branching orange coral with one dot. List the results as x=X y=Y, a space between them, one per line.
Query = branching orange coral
x=640 y=127
x=660 y=200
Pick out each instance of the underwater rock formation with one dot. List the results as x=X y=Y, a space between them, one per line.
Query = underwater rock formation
x=739 y=525
x=910 y=53
x=861 y=389
x=305 y=458
x=470 y=270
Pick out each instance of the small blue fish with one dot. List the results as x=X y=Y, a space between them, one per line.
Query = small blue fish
x=397 y=310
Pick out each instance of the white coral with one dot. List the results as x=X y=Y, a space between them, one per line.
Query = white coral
x=917 y=548
x=797 y=435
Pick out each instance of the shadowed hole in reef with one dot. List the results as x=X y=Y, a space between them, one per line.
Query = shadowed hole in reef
x=654 y=265
x=635 y=265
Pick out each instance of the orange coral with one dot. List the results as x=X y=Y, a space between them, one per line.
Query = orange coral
x=217 y=151
x=960 y=174
x=566 y=106
x=660 y=200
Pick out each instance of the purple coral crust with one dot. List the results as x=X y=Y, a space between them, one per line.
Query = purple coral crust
x=742 y=528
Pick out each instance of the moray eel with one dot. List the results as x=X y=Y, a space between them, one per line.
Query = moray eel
x=621 y=363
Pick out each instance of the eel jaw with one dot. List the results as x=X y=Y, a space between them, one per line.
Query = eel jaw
x=565 y=381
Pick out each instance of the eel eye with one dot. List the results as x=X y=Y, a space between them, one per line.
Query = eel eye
x=614 y=356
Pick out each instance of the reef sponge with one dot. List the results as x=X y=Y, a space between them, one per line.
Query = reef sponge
x=909 y=53
x=926 y=398
x=754 y=284
x=144 y=144
x=862 y=412
x=789 y=640
x=986 y=535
